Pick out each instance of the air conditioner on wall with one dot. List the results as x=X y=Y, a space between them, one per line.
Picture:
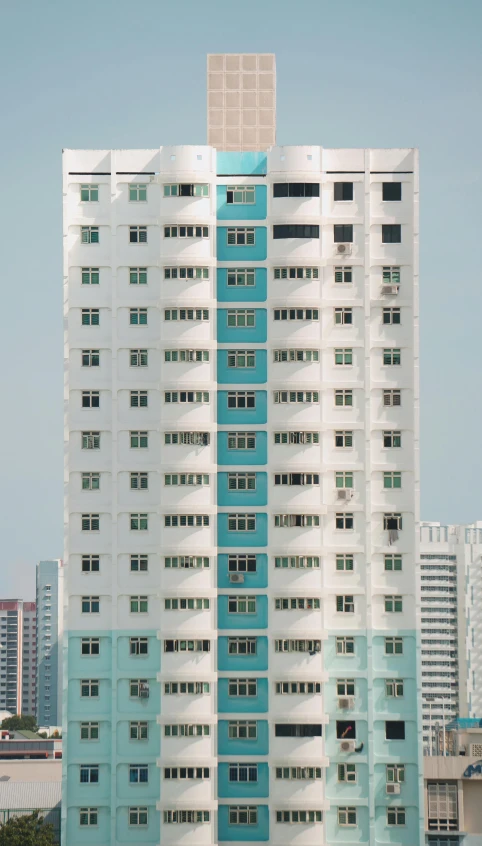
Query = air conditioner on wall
x=390 y=289
x=236 y=578
x=345 y=493
x=347 y=746
x=393 y=788
x=345 y=702
x=343 y=249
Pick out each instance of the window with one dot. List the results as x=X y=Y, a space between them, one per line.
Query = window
x=391 y=191
x=240 y=194
x=89 y=774
x=301 y=688
x=243 y=815
x=188 y=688
x=241 y=236
x=241 y=440
x=296 y=314
x=395 y=773
x=393 y=562
x=138 y=399
x=392 y=439
x=442 y=810
x=240 y=277
x=297 y=730
x=90 y=522
x=241 y=399
x=344 y=398
x=90 y=317
x=138 y=234
x=288 y=397
x=138 y=358
x=242 y=730
x=296 y=230
x=187 y=190
x=344 y=521
x=392 y=522
x=391 y=316
x=344 y=479
x=186 y=314
x=139 y=481
x=138 y=192
x=394 y=646
x=241 y=522
x=289 y=520
x=296 y=273
x=345 y=645
x=343 y=356
x=138 y=276
x=186 y=355
x=241 y=317
x=243 y=687
x=243 y=773
x=138 y=816
x=197 y=603
x=298 y=603
x=138 y=316
x=296 y=189
x=297 y=478
x=296 y=773
x=239 y=563
x=90 y=358
x=90 y=605
x=296 y=437
x=391 y=233
x=242 y=481
x=138 y=646
x=89 y=688
x=138 y=688
x=90 y=563
x=344 y=439
x=346 y=773
x=186 y=273
x=301 y=817
x=89 y=234
x=89 y=731
x=138 y=774
x=139 y=522
x=297 y=561
x=296 y=355
x=345 y=604
x=139 y=440
x=174 y=521
x=187 y=730
x=90 y=399
x=187 y=438
x=90 y=276
x=190 y=479
x=343 y=232
x=343 y=317
x=139 y=731
x=347 y=816
x=90 y=646
x=396 y=816
x=89 y=193
x=242 y=645
x=393 y=688
x=343 y=191
x=344 y=562
x=343 y=275
x=90 y=481
x=186 y=562
x=392 y=356
x=391 y=275
x=241 y=358
x=186 y=232
x=88 y=816
x=138 y=604
x=186 y=773
x=193 y=817
x=392 y=480
x=392 y=398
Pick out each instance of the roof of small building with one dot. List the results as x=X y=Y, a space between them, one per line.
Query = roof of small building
x=464 y=723
x=29 y=795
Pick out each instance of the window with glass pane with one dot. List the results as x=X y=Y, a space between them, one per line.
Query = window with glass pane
x=240 y=194
x=137 y=192
x=240 y=277
x=90 y=276
x=89 y=193
x=138 y=275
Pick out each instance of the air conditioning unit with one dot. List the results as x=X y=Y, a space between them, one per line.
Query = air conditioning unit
x=393 y=788
x=144 y=690
x=390 y=289
x=236 y=578
x=346 y=702
x=345 y=493
x=347 y=746
x=343 y=249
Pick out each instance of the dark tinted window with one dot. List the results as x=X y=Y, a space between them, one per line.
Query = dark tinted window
x=344 y=191
x=343 y=232
x=392 y=191
x=296 y=230
x=346 y=730
x=395 y=730
x=296 y=189
x=391 y=233
x=297 y=730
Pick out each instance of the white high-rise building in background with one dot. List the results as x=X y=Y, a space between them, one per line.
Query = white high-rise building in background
x=241 y=517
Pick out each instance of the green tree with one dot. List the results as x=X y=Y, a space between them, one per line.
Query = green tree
x=19 y=722
x=27 y=831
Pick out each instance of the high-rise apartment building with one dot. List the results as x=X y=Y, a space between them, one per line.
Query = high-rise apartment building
x=18 y=691
x=242 y=511
x=451 y=618
x=50 y=608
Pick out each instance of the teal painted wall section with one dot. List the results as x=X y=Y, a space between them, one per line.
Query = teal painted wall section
x=242 y=375
x=242 y=211
x=242 y=663
x=259 y=579
x=243 y=539
x=242 y=416
x=244 y=252
x=243 y=833
x=242 y=457
x=235 y=498
x=256 y=334
x=247 y=622
x=241 y=164
x=243 y=704
x=256 y=293
x=243 y=790
x=235 y=746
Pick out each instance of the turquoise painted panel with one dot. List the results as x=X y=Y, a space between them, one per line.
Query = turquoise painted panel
x=243 y=663
x=131 y=750
x=135 y=707
x=344 y=665
x=243 y=540
x=259 y=620
x=398 y=751
x=79 y=835
x=405 y=835
x=409 y=792
x=394 y=706
x=345 y=834
x=404 y=664
x=78 y=708
x=86 y=751
x=332 y=743
x=244 y=833
x=256 y=334
x=242 y=416
x=90 y=666
x=241 y=164
x=243 y=790
x=228 y=498
x=137 y=794
x=243 y=704
x=259 y=579
x=330 y=697
x=256 y=375
x=256 y=293
x=88 y=794
x=235 y=746
x=242 y=252
x=237 y=211
x=243 y=457
x=138 y=666
x=151 y=833
x=344 y=792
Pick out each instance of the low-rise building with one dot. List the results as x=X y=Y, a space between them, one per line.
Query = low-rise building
x=27 y=786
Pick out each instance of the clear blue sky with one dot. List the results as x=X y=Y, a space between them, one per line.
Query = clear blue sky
x=351 y=73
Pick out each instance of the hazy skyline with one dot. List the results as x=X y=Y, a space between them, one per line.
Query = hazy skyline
x=108 y=74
